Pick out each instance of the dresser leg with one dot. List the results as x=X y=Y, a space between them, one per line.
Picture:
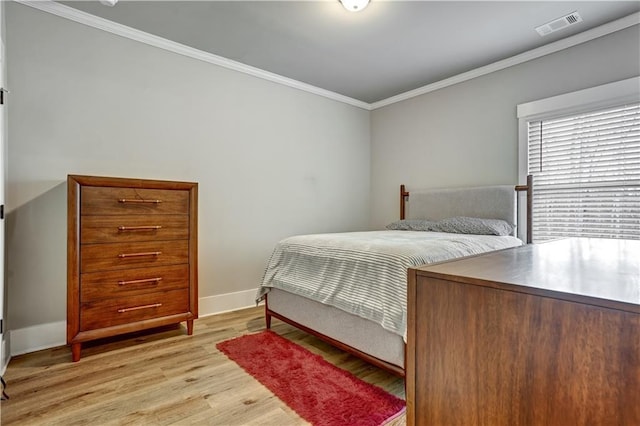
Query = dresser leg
x=189 y=327
x=75 y=351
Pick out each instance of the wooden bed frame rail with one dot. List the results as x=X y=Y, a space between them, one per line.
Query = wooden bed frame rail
x=392 y=368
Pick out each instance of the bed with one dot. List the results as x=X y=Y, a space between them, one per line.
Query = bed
x=350 y=288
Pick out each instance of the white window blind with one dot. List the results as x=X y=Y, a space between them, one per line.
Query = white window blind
x=586 y=170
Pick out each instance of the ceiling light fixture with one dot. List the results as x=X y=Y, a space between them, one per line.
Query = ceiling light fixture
x=109 y=2
x=354 y=5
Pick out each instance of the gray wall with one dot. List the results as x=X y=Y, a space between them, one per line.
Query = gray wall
x=271 y=161
x=467 y=134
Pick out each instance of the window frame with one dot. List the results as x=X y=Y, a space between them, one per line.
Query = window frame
x=591 y=99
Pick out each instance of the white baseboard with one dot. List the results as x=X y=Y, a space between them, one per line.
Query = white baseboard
x=45 y=336
x=226 y=302
x=38 y=337
x=5 y=356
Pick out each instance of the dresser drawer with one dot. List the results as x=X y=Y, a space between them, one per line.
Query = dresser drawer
x=124 y=310
x=99 y=200
x=124 y=228
x=104 y=257
x=132 y=282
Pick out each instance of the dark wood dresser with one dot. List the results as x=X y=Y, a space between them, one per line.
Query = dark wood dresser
x=543 y=334
x=131 y=256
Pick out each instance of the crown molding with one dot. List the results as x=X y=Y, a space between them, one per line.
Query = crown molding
x=70 y=13
x=84 y=18
x=556 y=46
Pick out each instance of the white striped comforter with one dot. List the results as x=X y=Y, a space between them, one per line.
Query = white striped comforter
x=365 y=273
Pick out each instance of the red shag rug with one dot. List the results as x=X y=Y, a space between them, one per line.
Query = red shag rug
x=318 y=391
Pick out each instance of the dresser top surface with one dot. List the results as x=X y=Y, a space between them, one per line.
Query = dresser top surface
x=119 y=182
x=599 y=269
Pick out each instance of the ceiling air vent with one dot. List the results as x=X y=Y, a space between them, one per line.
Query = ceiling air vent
x=558 y=24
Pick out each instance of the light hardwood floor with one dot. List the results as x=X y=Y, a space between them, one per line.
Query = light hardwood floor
x=162 y=378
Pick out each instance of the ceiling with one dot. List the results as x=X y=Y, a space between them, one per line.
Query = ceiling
x=387 y=49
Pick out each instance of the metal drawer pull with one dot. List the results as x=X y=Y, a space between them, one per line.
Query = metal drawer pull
x=149 y=253
x=135 y=200
x=135 y=308
x=148 y=280
x=139 y=228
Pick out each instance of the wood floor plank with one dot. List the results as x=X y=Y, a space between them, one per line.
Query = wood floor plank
x=163 y=377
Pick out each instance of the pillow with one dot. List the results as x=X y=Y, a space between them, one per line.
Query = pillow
x=411 y=225
x=473 y=225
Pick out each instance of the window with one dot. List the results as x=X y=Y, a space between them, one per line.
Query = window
x=583 y=150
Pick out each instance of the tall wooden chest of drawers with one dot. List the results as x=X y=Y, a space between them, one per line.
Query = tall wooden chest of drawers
x=131 y=256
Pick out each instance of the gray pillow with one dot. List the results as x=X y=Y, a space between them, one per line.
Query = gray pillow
x=473 y=225
x=412 y=225
x=455 y=225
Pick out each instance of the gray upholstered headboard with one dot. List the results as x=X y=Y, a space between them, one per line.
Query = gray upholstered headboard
x=489 y=202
